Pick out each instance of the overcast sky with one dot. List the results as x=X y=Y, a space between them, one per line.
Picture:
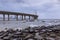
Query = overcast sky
x=46 y=9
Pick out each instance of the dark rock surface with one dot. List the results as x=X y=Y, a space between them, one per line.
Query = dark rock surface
x=36 y=33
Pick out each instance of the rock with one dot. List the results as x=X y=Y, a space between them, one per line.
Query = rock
x=1 y=39
x=30 y=39
x=38 y=36
x=49 y=38
x=6 y=38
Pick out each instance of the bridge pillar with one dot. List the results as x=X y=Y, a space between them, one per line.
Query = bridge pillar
x=35 y=18
x=3 y=17
x=24 y=17
x=8 y=17
x=29 y=17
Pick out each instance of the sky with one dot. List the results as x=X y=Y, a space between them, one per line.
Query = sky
x=45 y=9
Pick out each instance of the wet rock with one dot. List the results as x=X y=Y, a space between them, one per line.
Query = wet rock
x=1 y=39
x=38 y=36
x=6 y=38
x=49 y=38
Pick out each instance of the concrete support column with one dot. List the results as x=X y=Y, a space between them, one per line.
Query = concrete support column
x=3 y=17
x=35 y=18
x=17 y=17
x=22 y=17
x=8 y=17
x=29 y=17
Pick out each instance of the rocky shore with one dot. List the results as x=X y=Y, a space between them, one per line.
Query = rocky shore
x=32 y=33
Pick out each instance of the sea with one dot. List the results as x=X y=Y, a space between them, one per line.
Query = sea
x=25 y=24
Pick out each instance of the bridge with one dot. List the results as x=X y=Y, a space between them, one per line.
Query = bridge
x=23 y=15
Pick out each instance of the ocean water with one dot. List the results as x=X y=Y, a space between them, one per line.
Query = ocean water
x=24 y=24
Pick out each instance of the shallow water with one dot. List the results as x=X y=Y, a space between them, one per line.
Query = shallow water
x=21 y=24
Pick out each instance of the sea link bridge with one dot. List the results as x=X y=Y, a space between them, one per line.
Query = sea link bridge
x=16 y=14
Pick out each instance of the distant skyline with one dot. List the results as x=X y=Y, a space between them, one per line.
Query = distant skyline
x=46 y=9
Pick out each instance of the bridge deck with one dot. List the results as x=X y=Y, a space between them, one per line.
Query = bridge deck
x=17 y=14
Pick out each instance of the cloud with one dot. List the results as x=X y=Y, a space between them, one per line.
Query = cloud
x=46 y=8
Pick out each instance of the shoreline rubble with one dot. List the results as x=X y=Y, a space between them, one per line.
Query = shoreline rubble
x=32 y=33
